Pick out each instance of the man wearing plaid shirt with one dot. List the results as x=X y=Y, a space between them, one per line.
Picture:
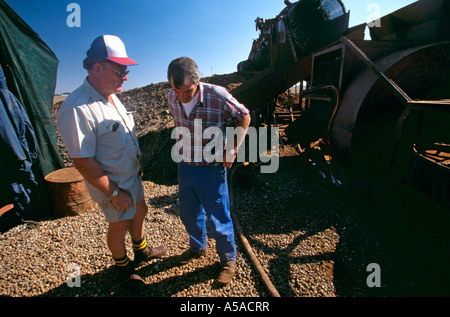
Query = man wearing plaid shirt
x=201 y=113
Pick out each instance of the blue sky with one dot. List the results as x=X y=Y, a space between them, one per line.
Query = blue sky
x=218 y=34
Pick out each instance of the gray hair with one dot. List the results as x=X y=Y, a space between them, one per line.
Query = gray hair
x=182 y=69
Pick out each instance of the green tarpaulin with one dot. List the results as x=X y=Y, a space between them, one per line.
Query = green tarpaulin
x=30 y=68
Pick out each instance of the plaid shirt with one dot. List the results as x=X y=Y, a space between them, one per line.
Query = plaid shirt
x=216 y=107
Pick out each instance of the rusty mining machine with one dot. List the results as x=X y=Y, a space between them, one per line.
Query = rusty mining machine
x=378 y=108
x=382 y=105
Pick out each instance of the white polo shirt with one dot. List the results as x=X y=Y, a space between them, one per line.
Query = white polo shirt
x=90 y=126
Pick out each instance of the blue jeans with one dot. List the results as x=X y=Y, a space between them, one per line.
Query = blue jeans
x=203 y=194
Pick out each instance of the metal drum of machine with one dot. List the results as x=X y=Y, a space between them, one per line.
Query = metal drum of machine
x=316 y=23
x=300 y=29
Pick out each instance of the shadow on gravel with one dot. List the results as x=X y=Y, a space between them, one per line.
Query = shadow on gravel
x=105 y=283
x=168 y=202
x=291 y=202
x=175 y=284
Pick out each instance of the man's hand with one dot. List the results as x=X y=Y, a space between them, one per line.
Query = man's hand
x=94 y=175
x=228 y=163
x=229 y=158
x=122 y=201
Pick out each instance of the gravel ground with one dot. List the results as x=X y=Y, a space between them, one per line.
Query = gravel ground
x=308 y=245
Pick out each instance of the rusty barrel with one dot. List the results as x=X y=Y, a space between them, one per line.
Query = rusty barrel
x=68 y=192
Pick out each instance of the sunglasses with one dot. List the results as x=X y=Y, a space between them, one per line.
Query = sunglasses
x=121 y=74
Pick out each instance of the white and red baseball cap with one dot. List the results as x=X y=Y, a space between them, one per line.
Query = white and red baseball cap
x=110 y=47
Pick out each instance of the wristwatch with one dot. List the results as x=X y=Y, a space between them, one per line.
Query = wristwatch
x=115 y=192
x=233 y=151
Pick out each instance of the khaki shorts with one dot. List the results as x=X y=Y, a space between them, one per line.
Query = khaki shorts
x=112 y=215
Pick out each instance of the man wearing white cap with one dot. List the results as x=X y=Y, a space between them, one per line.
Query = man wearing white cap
x=99 y=135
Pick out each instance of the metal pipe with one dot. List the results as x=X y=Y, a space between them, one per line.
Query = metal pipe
x=256 y=264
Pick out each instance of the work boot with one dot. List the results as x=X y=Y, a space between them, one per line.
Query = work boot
x=140 y=257
x=226 y=273
x=129 y=280
x=189 y=255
